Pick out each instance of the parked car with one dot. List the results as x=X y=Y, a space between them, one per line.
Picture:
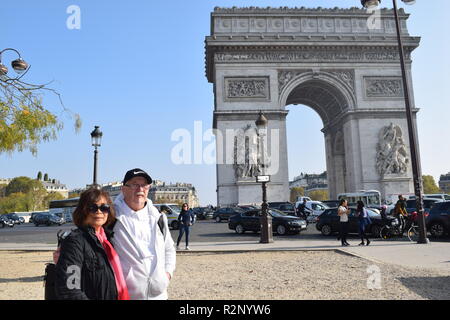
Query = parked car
x=172 y=211
x=285 y=207
x=248 y=207
x=328 y=222
x=5 y=221
x=438 y=221
x=226 y=213
x=281 y=223
x=15 y=218
x=48 y=219
x=411 y=205
x=203 y=213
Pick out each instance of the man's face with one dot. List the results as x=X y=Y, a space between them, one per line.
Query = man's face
x=135 y=192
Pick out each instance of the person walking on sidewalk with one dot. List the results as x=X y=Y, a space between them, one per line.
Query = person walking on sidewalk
x=343 y=212
x=186 y=219
x=364 y=222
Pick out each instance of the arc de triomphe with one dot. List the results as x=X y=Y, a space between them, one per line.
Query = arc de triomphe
x=343 y=63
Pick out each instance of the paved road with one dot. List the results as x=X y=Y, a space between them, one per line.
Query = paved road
x=202 y=231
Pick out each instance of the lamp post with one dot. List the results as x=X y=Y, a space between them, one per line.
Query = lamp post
x=266 y=219
x=96 y=137
x=19 y=65
x=415 y=163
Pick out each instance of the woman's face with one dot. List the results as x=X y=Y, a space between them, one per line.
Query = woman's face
x=345 y=203
x=185 y=207
x=98 y=213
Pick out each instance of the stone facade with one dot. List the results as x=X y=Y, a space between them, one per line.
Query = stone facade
x=173 y=193
x=444 y=183
x=332 y=60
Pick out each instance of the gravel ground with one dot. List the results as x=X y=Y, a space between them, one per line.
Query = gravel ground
x=256 y=275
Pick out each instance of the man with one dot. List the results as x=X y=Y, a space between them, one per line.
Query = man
x=142 y=240
x=301 y=209
x=400 y=211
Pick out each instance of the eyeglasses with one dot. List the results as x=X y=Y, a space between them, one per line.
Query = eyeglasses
x=136 y=186
x=104 y=208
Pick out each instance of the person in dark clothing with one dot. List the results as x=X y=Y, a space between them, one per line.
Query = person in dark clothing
x=364 y=222
x=186 y=219
x=88 y=267
x=301 y=209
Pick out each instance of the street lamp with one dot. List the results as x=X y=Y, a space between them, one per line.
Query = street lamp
x=417 y=176
x=96 y=137
x=19 y=65
x=266 y=219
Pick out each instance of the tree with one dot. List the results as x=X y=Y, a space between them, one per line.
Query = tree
x=39 y=176
x=24 y=120
x=21 y=184
x=429 y=185
x=296 y=192
x=46 y=177
x=319 y=195
x=16 y=202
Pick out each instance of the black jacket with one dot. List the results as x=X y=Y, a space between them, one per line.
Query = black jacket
x=83 y=270
x=186 y=217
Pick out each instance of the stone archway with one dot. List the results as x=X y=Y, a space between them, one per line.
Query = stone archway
x=263 y=59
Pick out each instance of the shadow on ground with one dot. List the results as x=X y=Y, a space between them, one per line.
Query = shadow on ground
x=23 y=279
x=432 y=288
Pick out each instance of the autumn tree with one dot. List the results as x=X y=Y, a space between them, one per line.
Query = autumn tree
x=24 y=119
x=319 y=195
x=429 y=185
x=296 y=192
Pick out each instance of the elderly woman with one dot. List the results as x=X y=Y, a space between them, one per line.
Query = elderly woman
x=88 y=266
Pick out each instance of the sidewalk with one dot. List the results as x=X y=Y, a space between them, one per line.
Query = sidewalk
x=435 y=255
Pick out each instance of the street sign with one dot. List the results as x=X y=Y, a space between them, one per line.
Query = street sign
x=263 y=179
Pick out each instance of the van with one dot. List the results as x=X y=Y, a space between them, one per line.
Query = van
x=172 y=211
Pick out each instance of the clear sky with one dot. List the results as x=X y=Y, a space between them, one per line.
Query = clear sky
x=136 y=69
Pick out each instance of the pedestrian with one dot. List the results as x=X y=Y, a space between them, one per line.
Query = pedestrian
x=343 y=212
x=364 y=222
x=186 y=220
x=142 y=240
x=87 y=266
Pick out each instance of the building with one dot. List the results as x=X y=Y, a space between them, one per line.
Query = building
x=310 y=181
x=444 y=183
x=56 y=186
x=175 y=193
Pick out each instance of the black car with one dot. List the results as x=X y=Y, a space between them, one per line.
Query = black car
x=5 y=221
x=48 y=219
x=203 y=213
x=15 y=218
x=281 y=223
x=226 y=213
x=427 y=205
x=286 y=207
x=438 y=220
x=328 y=222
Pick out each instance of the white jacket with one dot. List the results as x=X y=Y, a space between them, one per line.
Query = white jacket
x=144 y=263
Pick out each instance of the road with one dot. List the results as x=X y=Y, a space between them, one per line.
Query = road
x=202 y=231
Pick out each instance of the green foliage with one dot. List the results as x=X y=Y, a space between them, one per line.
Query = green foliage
x=39 y=176
x=46 y=177
x=296 y=192
x=429 y=185
x=25 y=194
x=319 y=195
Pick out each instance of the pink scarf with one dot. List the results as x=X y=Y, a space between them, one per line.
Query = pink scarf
x=113 y=259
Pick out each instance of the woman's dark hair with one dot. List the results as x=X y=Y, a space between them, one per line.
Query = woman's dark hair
x=360 y=205
x=87 y=199
x=184 y=205
x=342 y=202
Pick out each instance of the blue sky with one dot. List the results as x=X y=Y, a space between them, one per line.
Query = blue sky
x=136 y=69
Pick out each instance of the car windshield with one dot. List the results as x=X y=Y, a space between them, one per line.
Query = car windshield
x=373 y=214
x=175 y=208
x=277 y=213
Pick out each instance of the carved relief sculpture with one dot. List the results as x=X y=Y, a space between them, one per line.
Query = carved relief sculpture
x=392 y=156
x=238 y=88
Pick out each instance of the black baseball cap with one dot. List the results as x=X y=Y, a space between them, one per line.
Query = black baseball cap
x=137 y=173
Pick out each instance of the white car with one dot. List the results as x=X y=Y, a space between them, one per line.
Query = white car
x=314 y=208
x=172 y=211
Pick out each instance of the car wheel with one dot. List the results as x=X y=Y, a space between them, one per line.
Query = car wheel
x=218 y=219
x=281 y=230
x=437 y=229
x=375 y=230
x=326 y=230
x=175 y=225
x=240 y=229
